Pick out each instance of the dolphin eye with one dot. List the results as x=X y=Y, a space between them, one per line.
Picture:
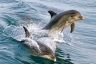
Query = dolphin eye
x=72 y=16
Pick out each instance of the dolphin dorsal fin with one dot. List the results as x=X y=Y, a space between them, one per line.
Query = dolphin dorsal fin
x=52 y=13
x=27 y=33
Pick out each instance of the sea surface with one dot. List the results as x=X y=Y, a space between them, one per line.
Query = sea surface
x=80 y=46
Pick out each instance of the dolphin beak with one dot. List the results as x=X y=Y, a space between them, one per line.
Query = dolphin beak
x=82 y=17
x=54 y=60
x=49 y=57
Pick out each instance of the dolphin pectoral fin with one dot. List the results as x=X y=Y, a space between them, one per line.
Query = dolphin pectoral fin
x=72 y=27
x=52 y=13
x=27 y=33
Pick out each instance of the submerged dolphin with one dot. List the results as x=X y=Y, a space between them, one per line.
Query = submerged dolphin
x=44 y=46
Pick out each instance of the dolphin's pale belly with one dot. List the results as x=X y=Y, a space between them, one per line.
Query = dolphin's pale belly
x=57 y=33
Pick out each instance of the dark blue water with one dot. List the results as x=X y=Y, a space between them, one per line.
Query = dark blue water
x=82 y=48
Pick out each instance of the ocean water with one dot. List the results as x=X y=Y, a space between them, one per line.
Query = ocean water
x=80 y=46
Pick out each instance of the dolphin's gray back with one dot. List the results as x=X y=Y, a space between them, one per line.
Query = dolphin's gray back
x=54 y=20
